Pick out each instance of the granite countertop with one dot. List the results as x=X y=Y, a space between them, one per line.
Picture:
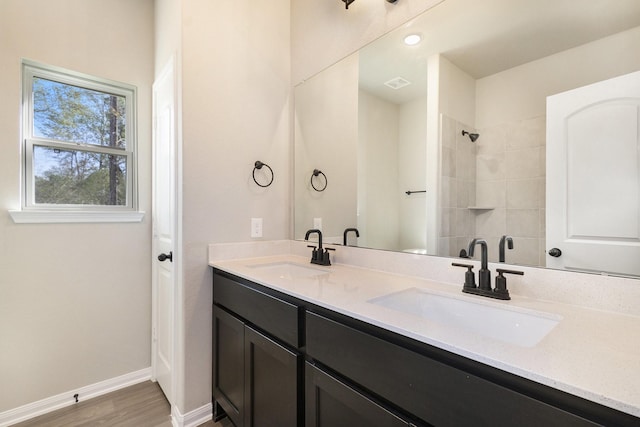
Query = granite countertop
x=594 y=354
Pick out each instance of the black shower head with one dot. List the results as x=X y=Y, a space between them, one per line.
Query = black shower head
x=472 y=136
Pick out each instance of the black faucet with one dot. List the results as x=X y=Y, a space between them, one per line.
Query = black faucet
x=484 y=286
x=484 y=275
x=344 y=235
x=319 y=255
x=509 y=241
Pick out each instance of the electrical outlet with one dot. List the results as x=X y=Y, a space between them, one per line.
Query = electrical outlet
x=256 y=227
x=317 y=223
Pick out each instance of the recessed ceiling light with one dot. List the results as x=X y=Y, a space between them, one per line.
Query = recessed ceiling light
x=412 y=39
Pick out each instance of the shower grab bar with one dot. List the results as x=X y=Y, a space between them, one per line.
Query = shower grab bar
x=408 y=193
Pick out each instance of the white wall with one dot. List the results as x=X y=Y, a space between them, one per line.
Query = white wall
x=378 y=198
x=326 y=138
x=521 y=92
x=412 y=165
x=75 y=299
x=236 y=110
x=391 y=161
x=167 y=34
x=457 y=93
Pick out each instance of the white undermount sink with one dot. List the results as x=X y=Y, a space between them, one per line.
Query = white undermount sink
x=289 y=270
x=513 y=325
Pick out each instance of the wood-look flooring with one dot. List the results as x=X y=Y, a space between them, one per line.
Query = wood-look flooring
x=141 y=405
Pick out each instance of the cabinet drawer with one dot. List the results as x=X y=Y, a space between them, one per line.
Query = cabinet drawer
x=273 y=315
x=433 y=391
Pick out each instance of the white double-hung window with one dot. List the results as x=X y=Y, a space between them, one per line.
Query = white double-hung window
x=79 y=153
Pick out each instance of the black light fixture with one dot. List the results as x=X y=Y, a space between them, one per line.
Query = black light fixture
x=348 y=2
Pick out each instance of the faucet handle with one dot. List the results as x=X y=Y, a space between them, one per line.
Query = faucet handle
x=501 y=282
x=502 y=271
x=325 y=256
x=469 y=276
x=315 y=253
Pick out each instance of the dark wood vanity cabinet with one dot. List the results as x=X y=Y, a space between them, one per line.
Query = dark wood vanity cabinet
x=256 y=377
x=280 y=361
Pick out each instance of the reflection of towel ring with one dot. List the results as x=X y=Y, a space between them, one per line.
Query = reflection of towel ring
x=259 y=165
x=317 y=172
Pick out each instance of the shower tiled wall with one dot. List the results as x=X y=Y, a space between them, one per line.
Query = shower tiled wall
x=510 y=180
x=494 y=187
x=458 y=188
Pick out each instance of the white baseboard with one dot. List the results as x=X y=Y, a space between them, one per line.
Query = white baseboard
x=193 y=418
x=62 y=400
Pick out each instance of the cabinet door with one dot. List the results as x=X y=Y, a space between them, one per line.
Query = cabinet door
x=331 y=403
x=228 y=364
x=271 y=382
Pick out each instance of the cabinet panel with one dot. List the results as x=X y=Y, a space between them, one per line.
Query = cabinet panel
x=228 y=364
x=271 y=382
x=331 y=403
x=273 y=315
x=436 y=393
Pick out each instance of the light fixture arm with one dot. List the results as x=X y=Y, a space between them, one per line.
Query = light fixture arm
x=348 y=2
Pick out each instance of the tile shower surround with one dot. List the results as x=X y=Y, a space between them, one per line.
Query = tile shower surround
x=503 y=170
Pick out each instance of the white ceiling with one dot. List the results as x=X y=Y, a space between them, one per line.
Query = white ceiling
x=483 y=37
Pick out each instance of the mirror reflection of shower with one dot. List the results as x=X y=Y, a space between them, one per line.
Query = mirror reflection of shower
x=472 y=136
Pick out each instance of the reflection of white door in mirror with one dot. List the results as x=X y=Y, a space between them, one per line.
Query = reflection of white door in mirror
x=593 y=177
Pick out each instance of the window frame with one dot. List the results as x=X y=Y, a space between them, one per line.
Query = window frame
x=44 y=212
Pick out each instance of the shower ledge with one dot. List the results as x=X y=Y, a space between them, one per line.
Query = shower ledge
x=481 y=208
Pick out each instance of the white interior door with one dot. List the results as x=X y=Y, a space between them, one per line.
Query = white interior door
x=593 y=177
x=164 y=229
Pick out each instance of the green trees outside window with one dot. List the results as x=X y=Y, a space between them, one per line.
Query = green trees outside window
x=78 y=144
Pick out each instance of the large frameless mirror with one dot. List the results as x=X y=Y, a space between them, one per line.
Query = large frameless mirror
x=507 y=118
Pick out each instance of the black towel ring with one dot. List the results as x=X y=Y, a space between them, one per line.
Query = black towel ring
x=259 y=165
x=317 y=172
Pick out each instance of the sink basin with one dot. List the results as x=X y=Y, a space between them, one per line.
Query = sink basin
x=513 y=325
x=289 y=270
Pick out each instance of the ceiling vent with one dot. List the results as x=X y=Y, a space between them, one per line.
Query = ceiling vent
x=397 y=83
